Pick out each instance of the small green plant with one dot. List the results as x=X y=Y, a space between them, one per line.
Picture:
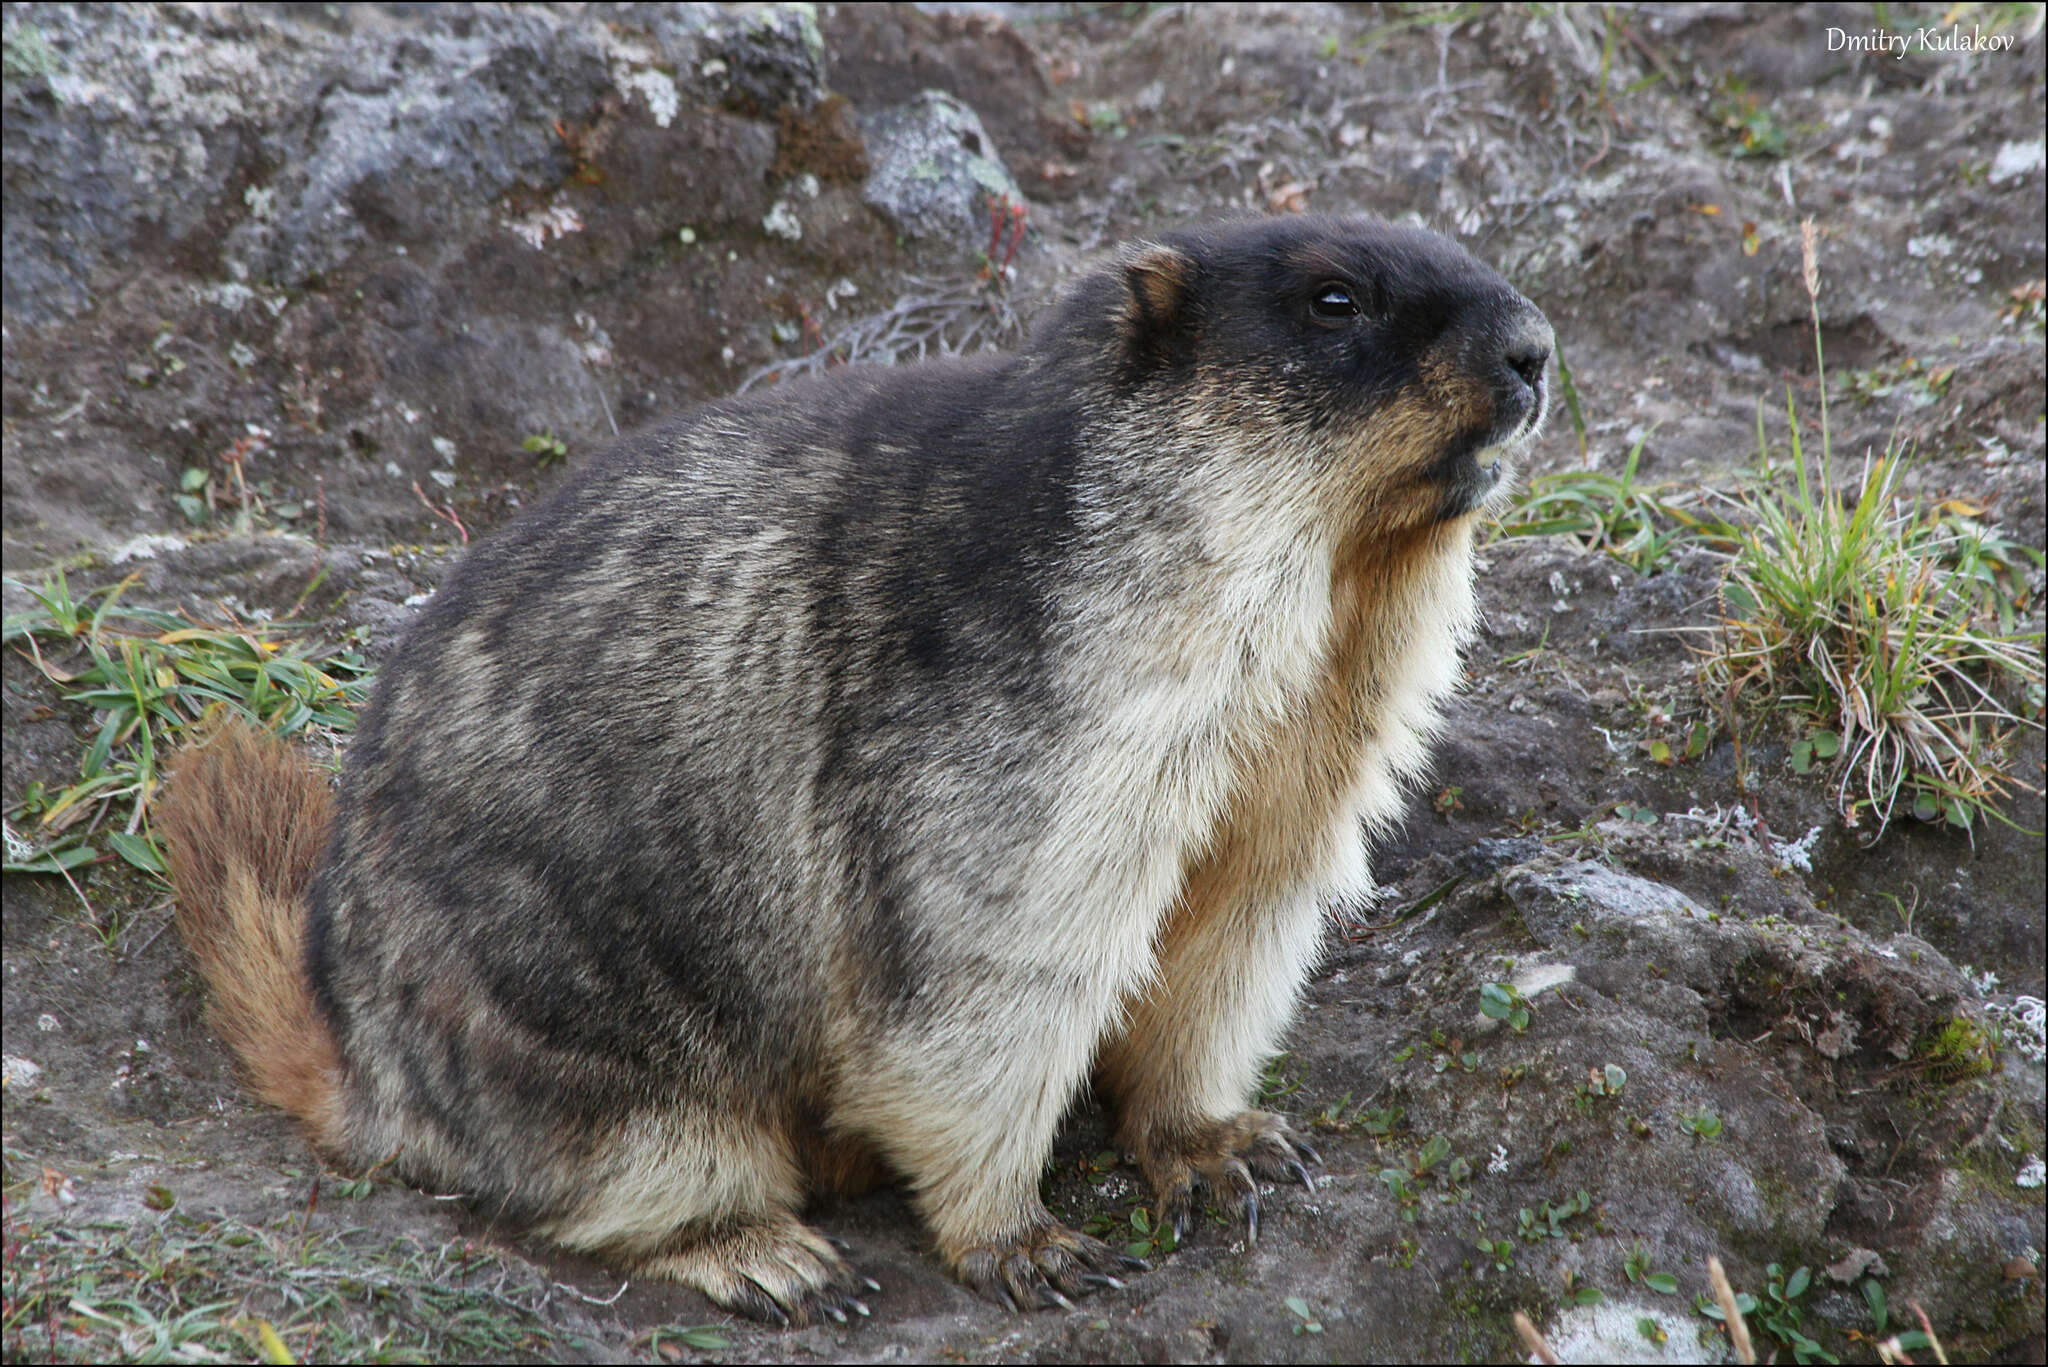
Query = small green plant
x=1602 y=1082
x=1704 y=1123
x=1301 y=1310
x=1502 y=1251
x=1380 y=1123
x=1780 y=1314
x=1466 y=1060
x=546 y=447
x=1331 y=1117
x=1432 y=1162
x=1146 y=1236
x=181 y=1286
x=204 y=492
x=1282 y=1078
x=1615 y=514
x=1912 y=1340
x=1103 y=1161
x=703 y=1337
x=1873 y=1297
x=1916 y=384
x=1636 y=1267
x=1432 y=1153
x=1819 y=745
x=1888 y=626
x=1904 y=910
x=1957 y=1050
x=1402 y=1188
x=1104 y=119
x=1505 y=1002
x=1995 y=565
x=1752 y=130
x=1745 y=1304
x=1568 y=390
x=194 y=485
x=1547 y=1221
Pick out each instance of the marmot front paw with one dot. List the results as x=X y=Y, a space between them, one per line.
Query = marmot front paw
x=1226 y=1156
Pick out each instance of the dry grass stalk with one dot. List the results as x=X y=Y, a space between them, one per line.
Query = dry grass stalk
x=1532 y=1339
x=1738 y=1328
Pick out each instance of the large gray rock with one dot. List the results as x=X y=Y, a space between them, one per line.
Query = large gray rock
x=268 y=148
x=935 y=171
x=263 y=149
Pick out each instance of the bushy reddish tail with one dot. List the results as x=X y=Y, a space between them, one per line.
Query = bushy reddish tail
x=244 y=821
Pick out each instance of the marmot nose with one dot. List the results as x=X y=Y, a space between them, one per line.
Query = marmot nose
x=1528 y=348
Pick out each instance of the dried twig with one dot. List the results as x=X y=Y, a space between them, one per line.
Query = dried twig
x=1928 y=1329
x=1532 y=1339
x=589 y=1299
x=946 y=317
x=446 y=514
x=1738 y=1329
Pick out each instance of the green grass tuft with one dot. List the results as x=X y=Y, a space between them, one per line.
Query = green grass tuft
x=148 y=676
x=1890 y=626
x=1618 y=515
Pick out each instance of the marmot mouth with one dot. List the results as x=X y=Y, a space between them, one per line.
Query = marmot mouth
x=1476 y=465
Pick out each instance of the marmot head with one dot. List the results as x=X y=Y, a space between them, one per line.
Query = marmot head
x=1385 y=363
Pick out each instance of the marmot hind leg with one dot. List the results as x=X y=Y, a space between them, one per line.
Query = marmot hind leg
x=772 y=1267
x=709 y=1197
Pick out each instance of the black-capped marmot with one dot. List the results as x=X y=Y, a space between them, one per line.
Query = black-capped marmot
x=832 y=781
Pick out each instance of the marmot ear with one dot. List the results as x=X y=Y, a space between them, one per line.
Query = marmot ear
x=1157 y=320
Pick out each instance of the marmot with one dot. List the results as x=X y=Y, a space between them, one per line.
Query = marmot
x=830 y=782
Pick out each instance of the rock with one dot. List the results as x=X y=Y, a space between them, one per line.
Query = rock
x=1611 y=1332
x=1855 y=1263
x=113 y=120
x=935 y=172
x=265 y=148
x=1715 y=1082
x=767 y=57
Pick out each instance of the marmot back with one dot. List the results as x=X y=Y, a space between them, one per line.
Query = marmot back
x=829 y=783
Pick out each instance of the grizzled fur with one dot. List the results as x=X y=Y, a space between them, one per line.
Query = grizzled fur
x=829 y=783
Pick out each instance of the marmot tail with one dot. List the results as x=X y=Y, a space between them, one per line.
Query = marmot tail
x=244 y=821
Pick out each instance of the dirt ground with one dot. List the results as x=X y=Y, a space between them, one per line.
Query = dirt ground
x=319 y=226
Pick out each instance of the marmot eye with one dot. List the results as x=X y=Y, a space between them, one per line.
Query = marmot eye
x=1333 y=301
